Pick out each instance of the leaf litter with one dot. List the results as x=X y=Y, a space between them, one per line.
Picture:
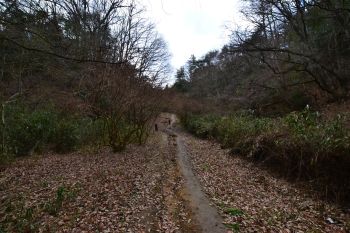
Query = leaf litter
x=250 y=199
x=141 y=190
x=138 y=190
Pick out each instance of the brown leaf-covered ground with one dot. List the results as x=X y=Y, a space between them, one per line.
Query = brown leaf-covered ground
x=142 y=190
x=253 y=200
x=138 y=190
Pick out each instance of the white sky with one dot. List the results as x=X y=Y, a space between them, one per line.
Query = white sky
x=193 y=26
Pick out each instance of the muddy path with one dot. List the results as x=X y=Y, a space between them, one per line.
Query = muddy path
x=206 y=216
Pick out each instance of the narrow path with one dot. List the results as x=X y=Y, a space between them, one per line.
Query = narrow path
x=206 y=215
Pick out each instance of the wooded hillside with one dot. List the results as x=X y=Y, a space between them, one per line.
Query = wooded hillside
x=77 y=71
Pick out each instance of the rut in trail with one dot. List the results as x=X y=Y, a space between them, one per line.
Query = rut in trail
x=206 y=215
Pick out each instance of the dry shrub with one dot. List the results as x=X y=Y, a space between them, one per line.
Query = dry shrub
x=125 y=101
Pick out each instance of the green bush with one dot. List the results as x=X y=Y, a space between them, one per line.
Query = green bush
x=323 y=136
x=65 y=137
x=230 y=131
x=239 y=130
x=72 y=133
x=26 y=131
x=91 y=131
x=304 y=130
x=33 y=130
x=201 y=126
x=120 y=133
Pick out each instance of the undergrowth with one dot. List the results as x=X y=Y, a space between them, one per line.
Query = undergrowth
x=26 y=131
x=300 y=145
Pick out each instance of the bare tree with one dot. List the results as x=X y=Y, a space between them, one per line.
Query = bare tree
x=287 y=36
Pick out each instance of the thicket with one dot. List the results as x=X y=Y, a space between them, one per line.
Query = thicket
x=300 y=145
x=26 y=131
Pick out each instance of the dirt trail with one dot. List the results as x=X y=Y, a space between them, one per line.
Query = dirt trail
x=206 y=215
x=149 y=188
x=157 y=187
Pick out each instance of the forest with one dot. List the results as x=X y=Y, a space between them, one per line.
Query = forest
x=253 y=137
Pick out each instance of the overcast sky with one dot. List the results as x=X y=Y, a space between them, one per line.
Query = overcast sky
x=193 y=26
